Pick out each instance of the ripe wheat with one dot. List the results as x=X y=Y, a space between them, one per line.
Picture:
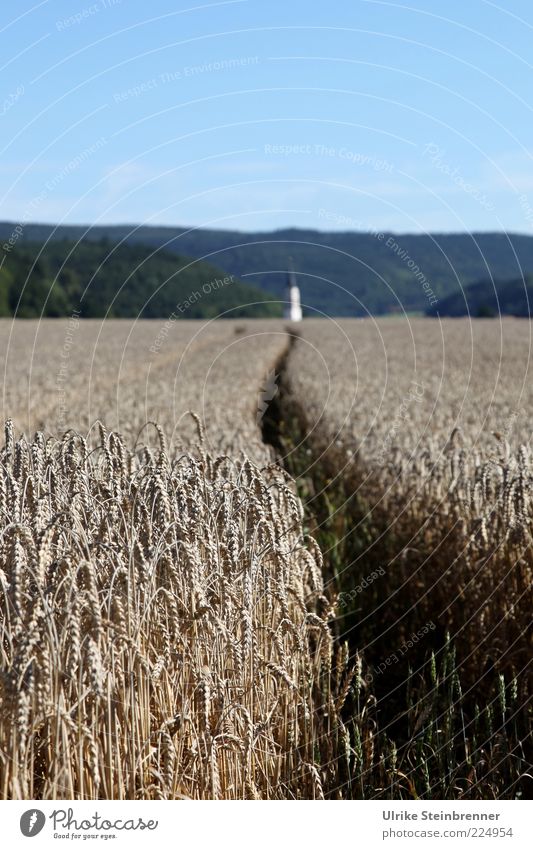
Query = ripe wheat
x=163 y=627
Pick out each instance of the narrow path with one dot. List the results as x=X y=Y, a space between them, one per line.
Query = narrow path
x=274 y=423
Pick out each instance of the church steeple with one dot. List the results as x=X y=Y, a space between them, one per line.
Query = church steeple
x=292 y=310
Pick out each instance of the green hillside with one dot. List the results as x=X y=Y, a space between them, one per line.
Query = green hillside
x=100 y=278
x=489 y=298
x=346 y=273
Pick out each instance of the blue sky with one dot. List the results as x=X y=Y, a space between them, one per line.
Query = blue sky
x=258 y=115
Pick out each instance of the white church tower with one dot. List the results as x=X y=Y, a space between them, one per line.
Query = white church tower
x=292 y=309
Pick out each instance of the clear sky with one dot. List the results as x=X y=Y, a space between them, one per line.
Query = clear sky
x=261 y=114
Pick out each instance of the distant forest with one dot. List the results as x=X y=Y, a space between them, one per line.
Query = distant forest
x=488 y=299
x=339 y=273
x=102 y=279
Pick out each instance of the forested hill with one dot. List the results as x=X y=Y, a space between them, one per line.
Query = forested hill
x=99 y=279
x=488 y=299
x=344 y=273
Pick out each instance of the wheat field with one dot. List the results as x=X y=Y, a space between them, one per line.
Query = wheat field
x=243 y=562
x=164 y=627
x=70 y=373
x=432 y=423
x=418 y=441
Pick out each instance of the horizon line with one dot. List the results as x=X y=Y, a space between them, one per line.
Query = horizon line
x=135 y=226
